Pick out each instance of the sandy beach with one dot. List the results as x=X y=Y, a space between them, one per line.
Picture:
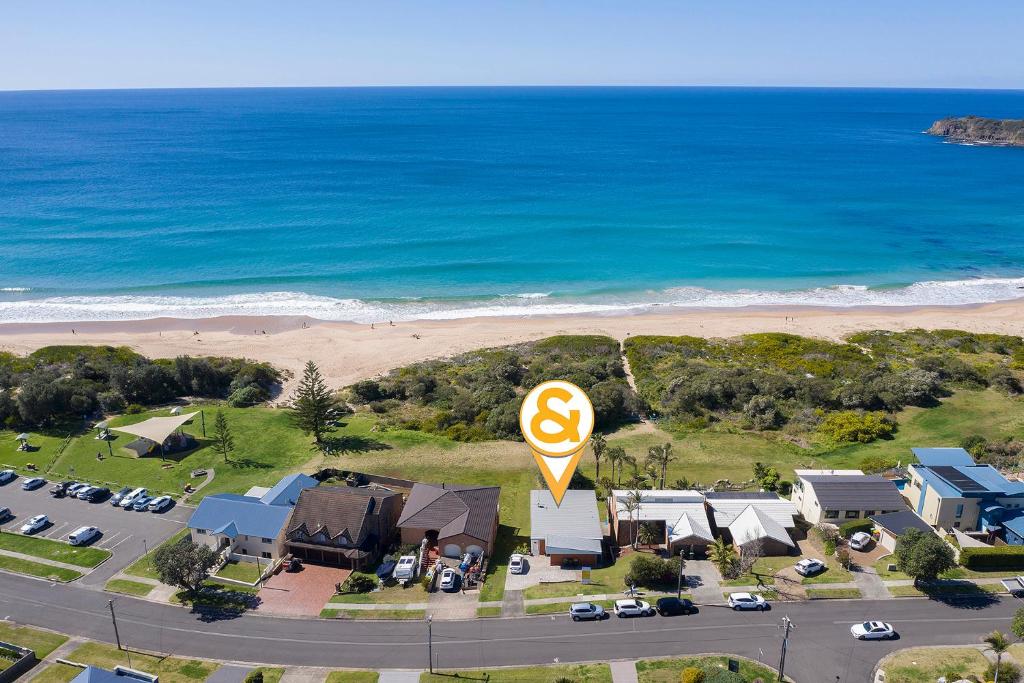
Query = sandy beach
x=347 y=352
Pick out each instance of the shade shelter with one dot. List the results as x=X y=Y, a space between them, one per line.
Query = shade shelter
x=157 y=429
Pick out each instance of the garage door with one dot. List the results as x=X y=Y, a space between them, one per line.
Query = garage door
x=452 y=550
x=475 y=549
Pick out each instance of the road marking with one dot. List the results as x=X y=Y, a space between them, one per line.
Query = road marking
x=118 y=543
x=933 y=620
x=55 y=530
x=107 y=539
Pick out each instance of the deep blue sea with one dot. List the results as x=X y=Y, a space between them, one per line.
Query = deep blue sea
x=397 y=203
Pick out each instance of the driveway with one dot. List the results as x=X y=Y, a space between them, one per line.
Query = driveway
x=127 y=534
x=539 y=570
x=303 y=593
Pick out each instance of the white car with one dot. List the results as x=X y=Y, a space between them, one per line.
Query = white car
x=406 y=567
x=85 y=492
x=130 y=499
x=83 y=535
x=633 y=608
x=158 y=504
x=860 y=540
x=740 y=601
x=7 y=476
x=872 y=630
x=33 y=483
x=448 y=579
x=809 y=567
x=516 y=564
x=35 y=524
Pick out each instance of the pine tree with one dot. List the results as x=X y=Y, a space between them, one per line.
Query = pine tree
x=313 y=406
x=223 y=441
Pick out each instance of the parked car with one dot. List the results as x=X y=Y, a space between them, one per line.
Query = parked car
x=75 y=488
x=33 y=483
x=86 y=491
x=7 y=476
x=809 y=567
x=448 y=579
x=294 y=565
x=60 y=489
x=129 y=498
x=5 y=513
x=516 y=564
x=141 y=503
x=670 y=607
x=586 y=610
x=633 y=608
x=83 y=535
x=872 y=630
x=35 y=524
x=740 y=601
x=406 y=567
x=119 y=496
x=97 y=494
x=161 y=503
x=860 y=540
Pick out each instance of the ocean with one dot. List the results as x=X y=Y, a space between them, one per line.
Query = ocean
x=371 y=204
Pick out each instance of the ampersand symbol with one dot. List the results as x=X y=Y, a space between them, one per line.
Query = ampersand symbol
x=570 y=425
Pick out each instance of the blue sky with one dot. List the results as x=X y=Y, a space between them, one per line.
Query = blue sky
x=187 y=43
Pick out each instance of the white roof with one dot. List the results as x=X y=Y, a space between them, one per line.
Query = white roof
x=726 y=509
x=573 y=525
x=683 y=512
x=257 y=492
x=753 y=524
x=828 y=473
x=156 y=429
x=688 y=526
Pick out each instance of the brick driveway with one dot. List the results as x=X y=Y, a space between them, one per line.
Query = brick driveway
x=301 y=593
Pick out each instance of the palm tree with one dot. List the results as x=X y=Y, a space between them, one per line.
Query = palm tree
x=631 y=507
x=628 y=460
x=648 y=534
x=633 y=500
x=598 y=445
x=661 y=456
x=615 y=457
x=722 y=555
x=997 y=643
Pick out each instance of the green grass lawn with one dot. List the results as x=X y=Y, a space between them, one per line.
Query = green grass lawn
x=400 y=614
x=41 y=642
x=488 y=611
x=136 y=588
x=353 y=677
x=832 y=593
x=391 y=595
x=670 y=670
x=246 y=572
x=220 y=596
x=144 y=565
x=169 y=669
x=46 y=571
x=925 y=665
x=946 y=589
x=57 y=673
x=578 y=673
x=53 y=550
x=271 y=674
x=603 y=580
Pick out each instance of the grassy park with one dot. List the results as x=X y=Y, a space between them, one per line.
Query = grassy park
x=56 y=551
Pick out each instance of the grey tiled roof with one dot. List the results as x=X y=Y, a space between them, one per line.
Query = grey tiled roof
x=452 y=509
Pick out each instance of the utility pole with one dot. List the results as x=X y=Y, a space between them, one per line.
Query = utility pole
x=117 y=636
x=679 y=583
x=787 y=624
x=430 y=642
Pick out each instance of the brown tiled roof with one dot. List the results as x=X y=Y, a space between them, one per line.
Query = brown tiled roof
x=337 y=511
x=452 y=509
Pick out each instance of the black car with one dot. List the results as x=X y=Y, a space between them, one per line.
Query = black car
x=670 y=607
x=98 y=495
x=60 y=489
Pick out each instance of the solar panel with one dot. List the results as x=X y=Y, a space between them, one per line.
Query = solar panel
x=958 y=478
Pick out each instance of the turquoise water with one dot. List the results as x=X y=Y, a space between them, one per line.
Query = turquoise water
x=369 y=204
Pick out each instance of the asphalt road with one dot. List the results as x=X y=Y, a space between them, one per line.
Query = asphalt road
x=821 y=648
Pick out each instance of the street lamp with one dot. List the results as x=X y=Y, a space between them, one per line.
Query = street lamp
x=679 y=583
x=430 y=642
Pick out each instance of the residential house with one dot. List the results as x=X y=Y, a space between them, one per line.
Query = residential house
x=741 y=518
x=947 y=489
x=119 y=674
x=344 y=526
x=454 y=519
x=890 y=526
x=679 y=518
x=838 y=496
x=248 y=527
x=571 y=530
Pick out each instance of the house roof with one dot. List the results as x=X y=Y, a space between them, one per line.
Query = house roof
x=726 y=506
x=452 y=509
x=338 y=511
x=556 y=544
x=286 y=491
x=576 y=516
x=94 y=674
x=855 y=492
x=753 y=524
x=942 y=456
x=690 y=526
x=232 y=515
x=898 y=522
x=954 y=481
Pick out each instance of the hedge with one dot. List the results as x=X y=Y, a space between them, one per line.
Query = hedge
x=996 y=557
x=848 y=529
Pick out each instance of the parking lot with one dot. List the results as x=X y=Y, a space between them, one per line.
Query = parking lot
x=126 y=534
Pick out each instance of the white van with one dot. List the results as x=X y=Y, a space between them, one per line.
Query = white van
x=406 y=567
x=83 y=535
x=132 y=496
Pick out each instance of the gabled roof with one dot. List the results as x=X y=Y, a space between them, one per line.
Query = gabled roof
x=233 y=515
x=94 y=674
x=286 y=491
x=932 y=457
x=726 y=506
x=555 y=544
x=338 y=511
x=898 y=522
x=690 y=526
x=753 y=524
x=452 y=510
x=576 y=516
x=855 y=492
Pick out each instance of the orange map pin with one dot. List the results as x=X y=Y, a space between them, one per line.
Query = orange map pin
x=556 y=420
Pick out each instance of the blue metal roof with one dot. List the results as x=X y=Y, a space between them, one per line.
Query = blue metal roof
x=985 y=476
x=286 y=491
x=935 y=457
x=239 y=514
x=1015 y=524
x=94 y=674
x=937 y=483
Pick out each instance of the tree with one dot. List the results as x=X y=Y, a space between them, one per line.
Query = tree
x=648 y=534
x=661 y=456
x=723 y=556
x=766 y=476
x=313 y=406
x=998 y=644
x=616 y=457
x=223 y=441
x=633 y=500
x=1018 y=624
x=922 y=555
x=185 y=564
x=599 y=446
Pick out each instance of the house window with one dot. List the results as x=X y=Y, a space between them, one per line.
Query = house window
x=852 y=514
x=868 y=513
x=960 y=510
x=268 y=540
x=956 y=525
x=266 y=556
x=831 y=514
x=202 y=532
x=243 y=551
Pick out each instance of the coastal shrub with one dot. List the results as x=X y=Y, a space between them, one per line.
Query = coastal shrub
x=359 y=583
x=1008 y=672
x=875 y=464
x=692 y=674
x=856 y=427
x=651 y=571
x=134 y=409
x=246 y=396
x=829 y=547
x=254 y=677
x=762 y=413
x=993 y=558
x=847 y=529
x=1002 y=379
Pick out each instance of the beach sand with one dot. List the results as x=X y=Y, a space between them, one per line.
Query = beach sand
x=347 y=352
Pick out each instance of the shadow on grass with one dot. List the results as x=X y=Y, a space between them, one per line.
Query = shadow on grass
x=350 y=443
x=248 y=464
x=962 y=595
x=214 y=603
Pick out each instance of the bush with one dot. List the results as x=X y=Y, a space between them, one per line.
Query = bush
x=359 y=583
x=830 y=547
x=248 y=396
x=254 y=677
x=1008 y=672
x=996 y=557
x=651 y=571
x=847 y=529
x=856 y=427
x=134 y=409
x=692 y=674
